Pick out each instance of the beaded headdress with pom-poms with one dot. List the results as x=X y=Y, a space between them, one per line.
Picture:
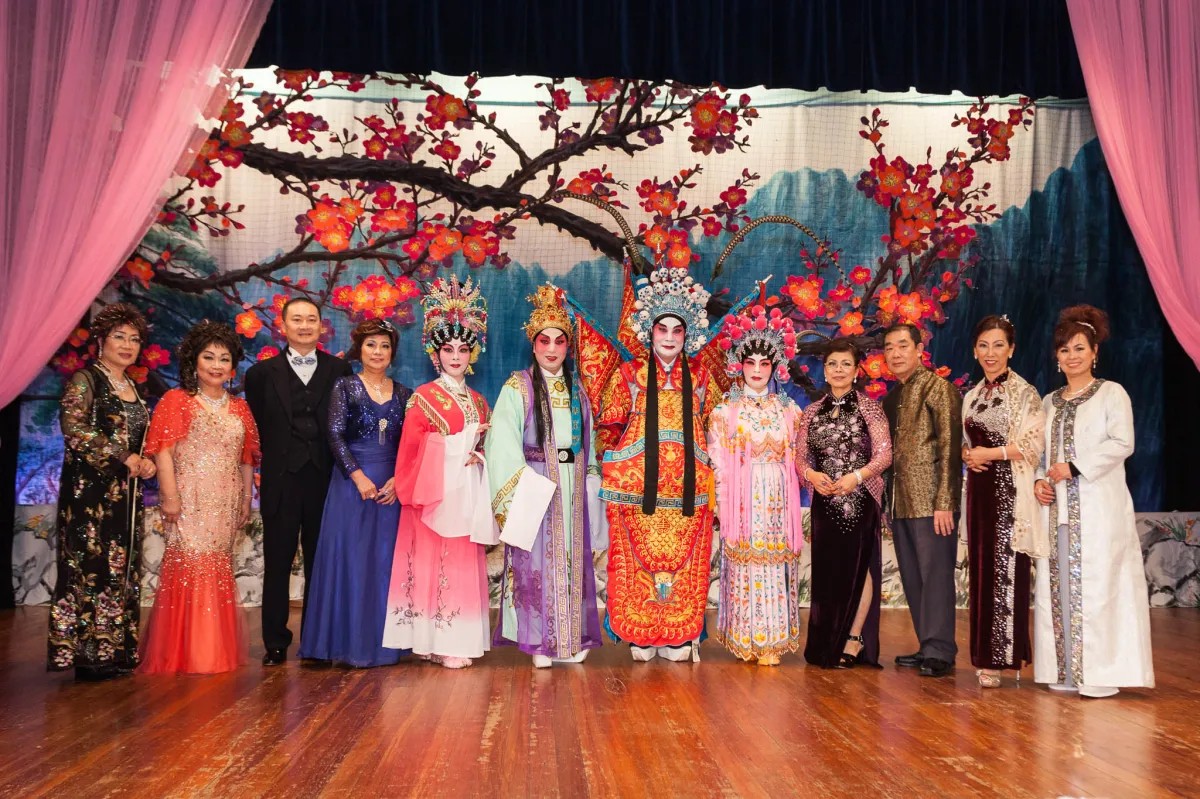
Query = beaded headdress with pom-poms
x=548 y=311
x=757 y=331
x=454 y=312
x=669 y=291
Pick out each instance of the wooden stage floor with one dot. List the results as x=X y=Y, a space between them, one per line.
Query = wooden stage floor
x=607 y=728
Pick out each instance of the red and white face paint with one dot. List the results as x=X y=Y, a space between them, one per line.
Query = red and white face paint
x=550 y=349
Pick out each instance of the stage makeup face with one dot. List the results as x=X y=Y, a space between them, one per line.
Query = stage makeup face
x=121 y=347
x=669 y=334
x=455 y=357
x=550 y=349
x=839 y=372
x=214 y=366
x=756 y=371
x=376 y=353
x=902 y=354
x=993 y=352
x=1077 y=357
x=302 y=326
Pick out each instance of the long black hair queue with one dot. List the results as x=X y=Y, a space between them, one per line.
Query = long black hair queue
x=650 y=474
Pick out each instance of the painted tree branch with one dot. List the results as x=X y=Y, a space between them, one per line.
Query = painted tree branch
x=309 y=169
x=288 y=167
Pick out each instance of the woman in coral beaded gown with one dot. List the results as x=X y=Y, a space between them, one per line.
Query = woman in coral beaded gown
x=206 y=444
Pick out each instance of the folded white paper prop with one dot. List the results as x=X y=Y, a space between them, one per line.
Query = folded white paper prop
x=530 y=501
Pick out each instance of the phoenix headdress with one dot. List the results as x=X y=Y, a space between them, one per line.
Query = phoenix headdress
x=757 y=331
x=454 y=312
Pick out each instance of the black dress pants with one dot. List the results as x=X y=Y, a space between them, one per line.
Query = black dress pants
x=296 y=520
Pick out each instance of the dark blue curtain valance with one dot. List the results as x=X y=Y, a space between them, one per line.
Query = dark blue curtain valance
x=979 y=47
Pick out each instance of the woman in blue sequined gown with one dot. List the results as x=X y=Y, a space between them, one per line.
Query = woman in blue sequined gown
x=348 y=598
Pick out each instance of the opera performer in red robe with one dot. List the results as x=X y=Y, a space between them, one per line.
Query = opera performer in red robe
x=656 y=475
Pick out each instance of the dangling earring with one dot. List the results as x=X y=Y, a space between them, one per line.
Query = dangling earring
x=1059 y=367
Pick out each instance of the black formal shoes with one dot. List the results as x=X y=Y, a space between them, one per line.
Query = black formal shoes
x=935 y=667
x=275 y=657
x=912 y=661
x=97 y=673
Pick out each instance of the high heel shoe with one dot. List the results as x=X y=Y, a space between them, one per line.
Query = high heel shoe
x=847 y=660
x=988 y=679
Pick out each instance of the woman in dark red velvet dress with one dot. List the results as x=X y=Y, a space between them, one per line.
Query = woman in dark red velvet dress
x=1003 y=427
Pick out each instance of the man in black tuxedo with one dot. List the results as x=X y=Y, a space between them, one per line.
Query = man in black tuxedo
x=289 y=397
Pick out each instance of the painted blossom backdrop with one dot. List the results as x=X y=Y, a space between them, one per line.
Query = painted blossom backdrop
x=356 y=190
x=865 y=208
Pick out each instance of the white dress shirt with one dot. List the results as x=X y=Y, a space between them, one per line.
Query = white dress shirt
x=303 y=371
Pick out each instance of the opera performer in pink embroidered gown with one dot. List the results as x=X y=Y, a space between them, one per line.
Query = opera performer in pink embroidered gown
x=438 y=596
x=752 y=440
x=206 y=445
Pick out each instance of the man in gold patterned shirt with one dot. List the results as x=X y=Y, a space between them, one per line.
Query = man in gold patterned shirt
x=925 y=415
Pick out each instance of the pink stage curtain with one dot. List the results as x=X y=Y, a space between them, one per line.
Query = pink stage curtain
x=1141 y=65
x=102 y=100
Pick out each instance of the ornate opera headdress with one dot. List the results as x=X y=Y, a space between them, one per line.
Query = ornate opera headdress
x=671 y=291
x=454 y=312
x=548 y=311
x=756 y=331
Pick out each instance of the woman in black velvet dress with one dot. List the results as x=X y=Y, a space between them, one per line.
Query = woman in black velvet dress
x=845 y=446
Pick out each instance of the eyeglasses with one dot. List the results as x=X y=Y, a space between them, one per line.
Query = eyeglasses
x=121 y=338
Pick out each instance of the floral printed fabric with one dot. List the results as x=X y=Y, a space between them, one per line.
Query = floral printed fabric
x=95 y=606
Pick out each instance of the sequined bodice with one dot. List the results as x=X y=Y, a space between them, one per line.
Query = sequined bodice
x=987 y=419
x=838 y=439
x=359 y=427
x=137 y=419
x=208 y=476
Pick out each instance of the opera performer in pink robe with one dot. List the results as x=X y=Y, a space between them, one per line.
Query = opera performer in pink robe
x=438 y=596
x=752 y=440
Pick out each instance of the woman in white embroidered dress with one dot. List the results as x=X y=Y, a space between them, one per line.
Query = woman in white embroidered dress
x=1091 y=607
